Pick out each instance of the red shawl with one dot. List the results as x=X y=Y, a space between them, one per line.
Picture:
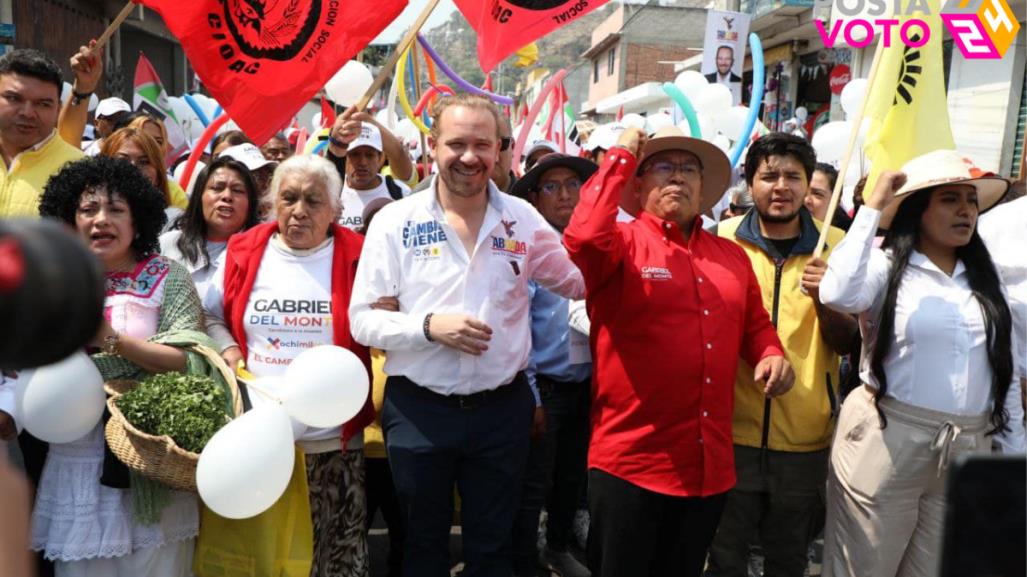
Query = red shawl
x=246 y=252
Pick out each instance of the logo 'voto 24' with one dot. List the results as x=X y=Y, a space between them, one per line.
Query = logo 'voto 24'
x=980 y=28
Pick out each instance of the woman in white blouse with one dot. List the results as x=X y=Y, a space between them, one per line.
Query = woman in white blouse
x=937 y=365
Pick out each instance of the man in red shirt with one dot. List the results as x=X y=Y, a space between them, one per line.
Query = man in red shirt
x=672 y=308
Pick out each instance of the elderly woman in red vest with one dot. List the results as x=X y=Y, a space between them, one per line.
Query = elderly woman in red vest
x=283 y=288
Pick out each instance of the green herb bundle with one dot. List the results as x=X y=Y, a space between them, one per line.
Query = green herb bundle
x=187 y=408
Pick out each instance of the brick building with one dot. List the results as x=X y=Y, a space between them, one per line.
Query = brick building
x=634 y=50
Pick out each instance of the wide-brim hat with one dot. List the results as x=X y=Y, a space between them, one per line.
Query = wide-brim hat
x=942 y=167
x=583 y=167
x=716 y=168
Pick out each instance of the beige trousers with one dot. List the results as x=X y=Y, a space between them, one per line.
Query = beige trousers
x=886 y=488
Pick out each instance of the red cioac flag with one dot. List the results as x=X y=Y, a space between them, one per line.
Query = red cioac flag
x=263 y=59
x=504 y=26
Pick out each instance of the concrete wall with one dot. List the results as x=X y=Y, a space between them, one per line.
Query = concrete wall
x=984 y=99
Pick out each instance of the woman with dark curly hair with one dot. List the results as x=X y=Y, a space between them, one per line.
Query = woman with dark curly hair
x=91 y=516
x=224 y=202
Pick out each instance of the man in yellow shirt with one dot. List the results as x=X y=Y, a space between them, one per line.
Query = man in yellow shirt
x=782 y=445
x=30 y=99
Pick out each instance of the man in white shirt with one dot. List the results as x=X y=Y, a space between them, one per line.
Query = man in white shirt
x=458 y=407
x=364 y=183
x=1005 y=235
x=108 y=113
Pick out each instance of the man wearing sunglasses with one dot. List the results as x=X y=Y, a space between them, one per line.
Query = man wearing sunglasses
x=560 y=369
x=672 y=308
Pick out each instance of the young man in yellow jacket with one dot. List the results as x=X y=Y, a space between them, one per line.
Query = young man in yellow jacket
x=782 y=445
x=30 y=99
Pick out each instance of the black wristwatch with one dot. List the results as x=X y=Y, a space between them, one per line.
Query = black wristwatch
x=78 y=97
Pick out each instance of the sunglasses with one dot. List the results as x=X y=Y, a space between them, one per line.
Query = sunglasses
x=505 y=142
x=552 y=188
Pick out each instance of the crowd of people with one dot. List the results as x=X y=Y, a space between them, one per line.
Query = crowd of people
x=676 y=381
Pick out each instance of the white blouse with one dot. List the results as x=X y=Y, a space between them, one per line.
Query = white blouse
x=938 y=358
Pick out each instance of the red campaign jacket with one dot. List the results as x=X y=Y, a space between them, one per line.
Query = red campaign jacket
x=669 y=322
x=245 y=252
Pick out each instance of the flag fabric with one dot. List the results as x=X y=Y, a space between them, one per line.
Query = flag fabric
x=327 y=113
x=263 y=60
x=620 y=113
x=564 y=123
x=150 y=97
x=526 y=55
x=503 y=26
x=906 y=106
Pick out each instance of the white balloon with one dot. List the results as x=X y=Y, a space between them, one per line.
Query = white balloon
x=388 y=118
x=315 y=122
x=707 y=125
x=276 y=387
x=246 y=466
x=852 y=96
x=407 y=132
x=63 y=401
x=93 y=102
x=207 y=104
x=348 y=84
x=654 y=122
x=830 y=140
x=722 y=142
x=691 y=83
x=632 y=119
x=713 y=99
x=731 y=123
x=801 y=113
x=326 y=386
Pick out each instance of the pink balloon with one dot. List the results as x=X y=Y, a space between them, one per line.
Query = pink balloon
x=529 y=120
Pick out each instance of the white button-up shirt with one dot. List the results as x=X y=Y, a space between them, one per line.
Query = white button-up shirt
x=1004 y=230
x=938 y=358
x=412 y=253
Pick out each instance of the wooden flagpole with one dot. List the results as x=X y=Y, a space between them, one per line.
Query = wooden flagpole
x=106 y=36
x=390 y=64
x=853 y=136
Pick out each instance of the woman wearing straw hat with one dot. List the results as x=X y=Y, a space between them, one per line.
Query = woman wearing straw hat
x=937 y=364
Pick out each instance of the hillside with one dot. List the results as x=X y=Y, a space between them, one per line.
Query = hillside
x=456 y=42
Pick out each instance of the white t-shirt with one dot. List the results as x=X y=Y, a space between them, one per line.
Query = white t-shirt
x=354 y=201
x=289 y=311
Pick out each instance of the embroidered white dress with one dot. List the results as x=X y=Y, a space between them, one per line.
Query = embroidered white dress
x=88 y=528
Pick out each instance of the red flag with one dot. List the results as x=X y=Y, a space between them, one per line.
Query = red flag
x=620 y=113
x=488 y=83
x=263 y=60
x=504 y=26
x=327 y=114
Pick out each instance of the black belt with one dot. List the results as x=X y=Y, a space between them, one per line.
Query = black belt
x=470 y=401
x=546 y=384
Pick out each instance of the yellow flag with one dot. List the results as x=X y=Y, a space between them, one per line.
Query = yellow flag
x=906 y=106
x=526 y=56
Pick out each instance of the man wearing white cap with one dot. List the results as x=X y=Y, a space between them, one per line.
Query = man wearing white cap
x=537 y=150
x=364 y=181
x=107 y=114
x=250 y=155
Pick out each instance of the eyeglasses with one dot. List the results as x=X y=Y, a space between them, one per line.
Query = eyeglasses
x=552 y=188
x=664 y=170
x=505 y=142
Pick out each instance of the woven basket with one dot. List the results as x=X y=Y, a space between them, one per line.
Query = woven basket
x=158 y=457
